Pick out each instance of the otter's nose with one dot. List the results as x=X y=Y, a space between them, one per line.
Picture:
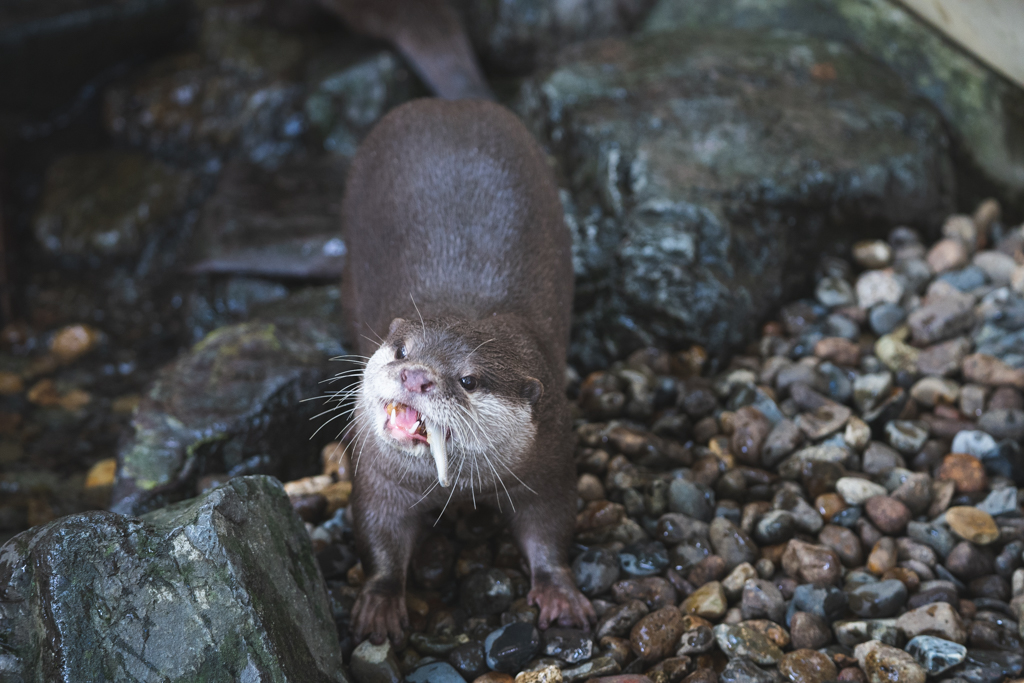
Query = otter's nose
x=416 y=380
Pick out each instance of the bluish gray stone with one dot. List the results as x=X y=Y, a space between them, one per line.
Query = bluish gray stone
x=878 y=600
x=936 y=654
x=935 y=536
x=972 y=442
x=691 y=499
x=435 y=672
x=645 y=558
x=1000 y=501
x=595 y=570
x=885 y=317
x=965 y=279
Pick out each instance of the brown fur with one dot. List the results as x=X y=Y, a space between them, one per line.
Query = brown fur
x=452 y=214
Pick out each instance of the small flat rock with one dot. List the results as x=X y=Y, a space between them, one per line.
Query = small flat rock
x=619 y=620
x=811 y=563
x=807 y=666
x=857 y=491
x=938 y=619
x=598 y=666
x=823 y=421
x=568 y=644
x=737 y=640
x=708 y=601
x=883 y=664
x=935 y=655
x=972 y=524
x=944 y=358
x=905 y=436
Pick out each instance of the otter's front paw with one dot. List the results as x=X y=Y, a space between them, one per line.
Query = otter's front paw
x=561 y=601
x=380 y=616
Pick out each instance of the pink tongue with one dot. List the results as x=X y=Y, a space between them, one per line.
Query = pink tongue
x=405 y=418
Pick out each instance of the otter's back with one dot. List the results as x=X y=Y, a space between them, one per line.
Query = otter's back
x=453 y=203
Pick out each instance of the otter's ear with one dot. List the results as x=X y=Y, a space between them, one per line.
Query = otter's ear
x=394 y=325
x=532 y=390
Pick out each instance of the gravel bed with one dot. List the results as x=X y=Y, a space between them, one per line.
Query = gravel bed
x=839 y=503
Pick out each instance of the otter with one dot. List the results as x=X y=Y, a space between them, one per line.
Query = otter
x=459 y=256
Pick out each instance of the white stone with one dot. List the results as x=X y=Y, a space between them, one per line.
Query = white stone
x=856 y=491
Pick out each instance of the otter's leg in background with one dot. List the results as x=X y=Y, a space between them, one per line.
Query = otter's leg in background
x=543 y=526
x=385 y=532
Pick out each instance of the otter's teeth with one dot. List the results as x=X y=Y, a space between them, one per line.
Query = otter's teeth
x=435 y=437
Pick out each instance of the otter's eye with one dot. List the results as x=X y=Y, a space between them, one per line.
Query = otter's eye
x=468 y=383
x=401 y=352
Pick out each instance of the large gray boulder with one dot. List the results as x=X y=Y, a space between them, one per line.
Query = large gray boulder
x=220 y=588
x=705 y=170
x=985 y=111
x=232 y=405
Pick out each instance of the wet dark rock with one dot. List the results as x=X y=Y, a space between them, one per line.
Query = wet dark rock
x=569 y=645
x=734 y=546
x=273 y=224
x=656 y=635
x=990 y=666
x=655 y=591
x=645 y=558
x=510 y=647
x=229 y=405
x=986 y=635
x=487 y=592
x=828 y=602
x=775 y=527
x=882 y=599
x=762 y=600
x=742 y=670
x=653 y=218
x=966 y=561
x=809 y=631
x=134 y=207
x=935 y=654
x=242 y=542
x=619 y=620
x=470 y=660
x=691 y=499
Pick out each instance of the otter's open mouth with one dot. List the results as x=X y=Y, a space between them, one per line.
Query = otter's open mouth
x=404 y=422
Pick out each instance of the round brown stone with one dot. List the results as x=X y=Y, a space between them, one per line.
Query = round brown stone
x=807 y=666
x=888 y=514
x=965 y=471
x=655 y=636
